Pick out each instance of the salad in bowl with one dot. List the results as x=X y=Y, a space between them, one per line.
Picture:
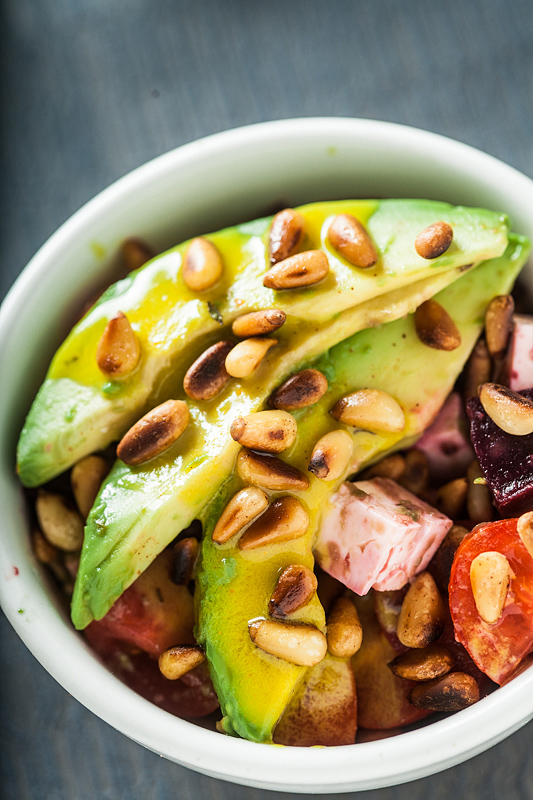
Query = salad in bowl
x=263 y=491
x=281 y=470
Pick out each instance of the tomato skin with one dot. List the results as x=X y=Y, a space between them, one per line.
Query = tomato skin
x=189 y=697
x=153 y=614
x=496 y=649
x=148 y=618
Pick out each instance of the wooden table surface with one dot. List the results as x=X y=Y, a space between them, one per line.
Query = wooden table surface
x=92 y=89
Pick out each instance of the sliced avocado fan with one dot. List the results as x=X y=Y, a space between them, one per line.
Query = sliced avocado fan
x=139 y=510
x=78 y=410
x=234 y=586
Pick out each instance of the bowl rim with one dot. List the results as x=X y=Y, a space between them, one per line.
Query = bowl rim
x=372 y=764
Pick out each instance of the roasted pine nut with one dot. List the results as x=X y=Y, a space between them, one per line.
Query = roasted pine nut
x=269 y=472
x=86 y=478
x=303 y=269
x=434 y=241
x=525 y=531
x=243 y=360
x=350 y=238
x=344 y=631
x=499 y=324
x=296 y=642
x=286 y=234
x=478 y=502
x=331 y=455
x=490 y=574
x=202 y=265
x=268 y=431
x=371 y=410
x=443 y=558
x=452 y=692
x=61 y=525
x=185 y=555
x=295 y=587
x=207 y=376
x=45 y=552
x=154 y=433
x=118 y=350
x=284 y=520
x=507 y=409
x=421 y=617
x=435 y=328
x=423 y=665
x=299 y=391
x=452 y=496
x=176 y=661
x=243 y=507
x=392 y=466
x=477 y=370
x=258 y=323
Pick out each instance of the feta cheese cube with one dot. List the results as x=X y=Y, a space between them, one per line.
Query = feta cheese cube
x=378 y=535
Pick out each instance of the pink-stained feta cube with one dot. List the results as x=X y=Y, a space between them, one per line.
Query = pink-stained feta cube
x=378 y=535
x=517 y=371
x=446 y=443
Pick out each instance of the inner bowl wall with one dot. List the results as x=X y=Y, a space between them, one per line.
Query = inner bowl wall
x=219 y=181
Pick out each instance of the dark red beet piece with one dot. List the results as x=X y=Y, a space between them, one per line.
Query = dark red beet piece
x=506 y=460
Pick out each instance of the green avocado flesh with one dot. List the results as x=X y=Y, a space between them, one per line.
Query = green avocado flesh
x=79 y=411
x=141 y=510
x=233 y=586
x=337 y=327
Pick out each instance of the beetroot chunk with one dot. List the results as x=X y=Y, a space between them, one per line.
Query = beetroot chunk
x=446 y=442
x=506 y=460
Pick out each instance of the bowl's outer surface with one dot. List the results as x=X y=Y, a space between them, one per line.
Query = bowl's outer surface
x=221 y=180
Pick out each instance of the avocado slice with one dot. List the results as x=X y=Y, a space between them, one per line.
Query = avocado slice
x=233 y=586
x=140 y=510
x=174 y=324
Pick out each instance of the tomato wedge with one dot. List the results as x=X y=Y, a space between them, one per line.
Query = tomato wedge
x=499 y=648
x=153 y=614
x=191 y=696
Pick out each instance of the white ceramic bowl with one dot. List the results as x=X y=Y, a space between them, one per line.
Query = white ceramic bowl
x=203 y=186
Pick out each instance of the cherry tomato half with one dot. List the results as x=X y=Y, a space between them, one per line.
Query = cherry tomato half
x=191 y=696
x=499 y=648
x=153 y=614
